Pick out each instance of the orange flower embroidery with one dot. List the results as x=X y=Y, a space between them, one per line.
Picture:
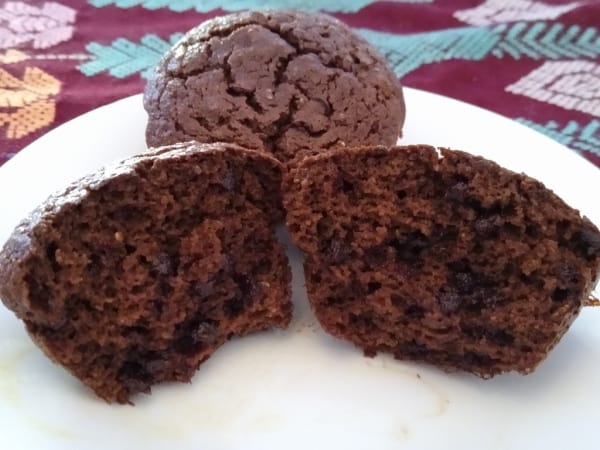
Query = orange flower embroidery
x=28 y=104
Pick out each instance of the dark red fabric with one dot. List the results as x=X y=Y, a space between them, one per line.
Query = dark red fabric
x=481 y=81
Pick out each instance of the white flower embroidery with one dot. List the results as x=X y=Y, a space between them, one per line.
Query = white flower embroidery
x=571 y=85
x=500 y=11
x=43 y=26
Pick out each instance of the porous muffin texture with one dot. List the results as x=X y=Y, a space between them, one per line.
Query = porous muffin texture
x=280 y=81
x=448 y=259
x=136 y=274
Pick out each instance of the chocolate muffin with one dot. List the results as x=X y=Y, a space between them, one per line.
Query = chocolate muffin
x=136 y=274
x=448 y=259
x=281 y=81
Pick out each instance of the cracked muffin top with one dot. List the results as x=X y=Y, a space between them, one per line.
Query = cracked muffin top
x=280 y=81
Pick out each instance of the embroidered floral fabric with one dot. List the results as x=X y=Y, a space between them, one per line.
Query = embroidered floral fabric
x=537 y=62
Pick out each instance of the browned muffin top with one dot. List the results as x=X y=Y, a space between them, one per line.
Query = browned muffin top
x=281 y=81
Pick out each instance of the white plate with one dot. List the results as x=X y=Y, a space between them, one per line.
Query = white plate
x=301 y=389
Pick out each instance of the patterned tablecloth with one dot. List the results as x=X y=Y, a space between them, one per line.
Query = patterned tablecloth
x=537 y=62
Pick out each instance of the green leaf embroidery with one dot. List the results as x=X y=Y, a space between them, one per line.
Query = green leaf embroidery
x=584 y=138
x=123 y=57
x=537 y=40
x=347 y=6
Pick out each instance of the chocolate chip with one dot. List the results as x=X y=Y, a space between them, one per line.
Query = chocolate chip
x=373 y=286
x=496 y=336
x=136 y=330
x=475 y=332
x=351 y=291
x=194 y=335
x=187 y=345
x=205 y=331
x=335 y=251
x=155 y=363
x=414 y=349
x=376 y=256
x=39 y=297
x=234 y=306
x=370 y=352
x=247 y=285
x=463 y=282
x=324 y=225
x=231 y=180
x=414 y=312
x=587 y=241
x=458 y=266
x=164 y=289
x=457 y=192
x=143 y=261
x=94 y=265
x=200 y=290
x=363 y=322
x=335 y=300
x=264 y=267
x=512 y=230
x=489 y=297
x=137 y=289
x=158 y=306
x=446 y=233
x=568 y=274
x=315 y=278
x=227 y=265
x=477 y=359
x=449 y=301
x=127 y=213
x=167 y=264
x=80 y=302
x=410 y=247
x=489 y=226
x=562 y=226
x=501 y=337
x=560 y=295
x=532 y=231
x=343 y=184
x=476 y=291
x=482 y=297
x=134 y=371
x=51 y=255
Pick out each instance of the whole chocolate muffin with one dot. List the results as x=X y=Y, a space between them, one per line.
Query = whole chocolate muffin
x=138 y=273
x=280 y=81
x=451 y=260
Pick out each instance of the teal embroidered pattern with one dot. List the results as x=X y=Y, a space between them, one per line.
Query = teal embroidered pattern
x=405 y=52
x=540 y=41
x=347 y=6
x=409 y=52
x=123 y=57
x=585 y=138
x=535 y=40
